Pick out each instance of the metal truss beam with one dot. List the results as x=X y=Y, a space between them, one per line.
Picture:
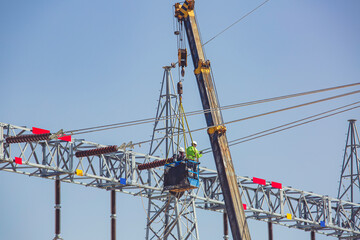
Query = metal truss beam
x=118 y=171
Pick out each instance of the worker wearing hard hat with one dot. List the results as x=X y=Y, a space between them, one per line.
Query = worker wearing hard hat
x=181 y=155
x=192 y=153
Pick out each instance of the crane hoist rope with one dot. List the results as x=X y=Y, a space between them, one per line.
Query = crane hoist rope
x=182 y=116
x=183 y=125
x=182 y=51
x=176 y=32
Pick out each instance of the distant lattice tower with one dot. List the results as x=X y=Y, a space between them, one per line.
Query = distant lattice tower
x=349 y=186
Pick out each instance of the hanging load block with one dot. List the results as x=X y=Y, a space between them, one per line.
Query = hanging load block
x=96 y=151
x=180 y=88
x=182 y=56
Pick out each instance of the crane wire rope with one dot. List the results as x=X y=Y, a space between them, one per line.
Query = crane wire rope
x=261 y=133
x=218 y=34
x=237 y=21
x=271 y=112
x=231 y=25
x=192 y=113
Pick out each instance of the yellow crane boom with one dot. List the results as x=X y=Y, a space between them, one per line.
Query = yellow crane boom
x=216 y=129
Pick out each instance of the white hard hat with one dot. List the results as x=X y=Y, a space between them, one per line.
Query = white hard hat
x=181 y=149
x=194 y=142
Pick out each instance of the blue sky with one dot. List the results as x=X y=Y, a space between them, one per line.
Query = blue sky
x=74 y=64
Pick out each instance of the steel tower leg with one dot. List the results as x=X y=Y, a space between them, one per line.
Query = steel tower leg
x=57 y=209
x=312 y=235
x=270 y=230
x=226 y=226
x=177 y=217
x=113 y=215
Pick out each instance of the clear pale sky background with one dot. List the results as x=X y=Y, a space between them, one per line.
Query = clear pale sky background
x=74 y=64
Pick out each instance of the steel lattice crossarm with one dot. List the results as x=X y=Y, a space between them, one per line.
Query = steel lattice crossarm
x=263 y=200
x=51 y=158
x=287 y=206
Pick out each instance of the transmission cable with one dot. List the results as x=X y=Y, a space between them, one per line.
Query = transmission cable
x=267 y=113
x=151 y=120
x=252 y=136
x=296 y=106
x=296 y=125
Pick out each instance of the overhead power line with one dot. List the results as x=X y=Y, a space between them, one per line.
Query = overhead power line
x=316 y=119
x=282 y=127
x=295 y=106
x=265 y=114
x=192 y=113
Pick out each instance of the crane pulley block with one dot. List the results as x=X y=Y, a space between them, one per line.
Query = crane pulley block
x=182 y=56
x=181 y=11
x=191 y=4
x=203 y=66
x=180 y=88
x=216 y=129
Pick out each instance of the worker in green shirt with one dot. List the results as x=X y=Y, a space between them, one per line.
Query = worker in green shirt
x=192 y=153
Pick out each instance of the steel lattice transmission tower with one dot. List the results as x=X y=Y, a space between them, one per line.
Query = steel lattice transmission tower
x=349 y=186
x=174 y=218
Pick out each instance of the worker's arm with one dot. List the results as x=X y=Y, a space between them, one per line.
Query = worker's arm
x=198 y=154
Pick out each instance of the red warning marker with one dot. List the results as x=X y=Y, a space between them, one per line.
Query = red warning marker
x=66 y=138
x=18 y=160
x=276 y=185
x=259 y=181
x=244 y=205
x=39 y=131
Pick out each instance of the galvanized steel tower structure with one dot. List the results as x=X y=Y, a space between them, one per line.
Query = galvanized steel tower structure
x=349 y=180
x=349 y=185
x=176 y=217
